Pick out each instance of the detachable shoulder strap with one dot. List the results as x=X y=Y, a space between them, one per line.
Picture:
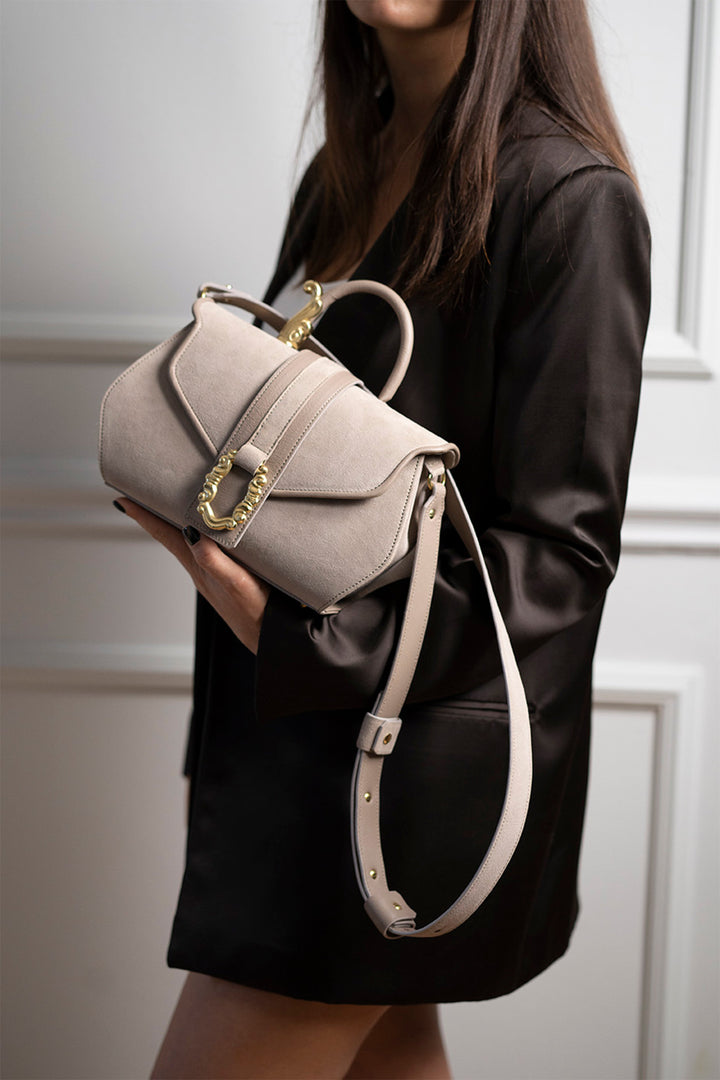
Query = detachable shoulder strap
x=380 y=729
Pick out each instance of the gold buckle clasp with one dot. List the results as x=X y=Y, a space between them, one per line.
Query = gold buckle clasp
x=244 y=508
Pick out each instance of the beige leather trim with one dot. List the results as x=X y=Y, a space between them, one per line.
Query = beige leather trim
x=367 y=493
x=389 y=911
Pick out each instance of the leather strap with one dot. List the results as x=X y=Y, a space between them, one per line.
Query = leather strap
x=376 y=288
x=225 y=294
x=380 y=729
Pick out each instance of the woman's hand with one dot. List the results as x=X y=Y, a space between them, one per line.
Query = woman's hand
x=237 y=595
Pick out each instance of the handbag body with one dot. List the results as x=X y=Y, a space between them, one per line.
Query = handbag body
x=275 y=450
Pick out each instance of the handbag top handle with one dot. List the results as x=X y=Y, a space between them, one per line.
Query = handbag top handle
x=315 y=309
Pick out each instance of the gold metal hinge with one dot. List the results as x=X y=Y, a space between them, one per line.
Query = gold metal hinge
x=299 y=326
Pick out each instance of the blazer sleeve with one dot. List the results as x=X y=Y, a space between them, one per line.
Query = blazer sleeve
x=569 y=342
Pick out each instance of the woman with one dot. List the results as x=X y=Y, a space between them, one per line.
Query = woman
x=473 y=162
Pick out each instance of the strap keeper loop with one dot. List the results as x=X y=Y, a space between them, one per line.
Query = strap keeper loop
x=388 y=910
x=378 y=735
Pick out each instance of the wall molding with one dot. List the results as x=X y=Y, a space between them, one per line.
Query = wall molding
x=671 y=354
x=26 y=343
x=667 y=353
x=680 y=352
x=674 y=693
x=110 y=667
x=685 y=350
x=697 y=271
x=680 y=515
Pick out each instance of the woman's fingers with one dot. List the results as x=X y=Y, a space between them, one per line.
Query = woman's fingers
x=210 y=560
x=160 y=530
x=237 y=595
x=232 y=590
x=198 y=554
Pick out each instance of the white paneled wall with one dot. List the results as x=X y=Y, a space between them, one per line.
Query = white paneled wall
x=133 y=132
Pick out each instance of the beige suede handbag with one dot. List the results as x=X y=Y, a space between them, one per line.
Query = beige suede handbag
x=275 y=450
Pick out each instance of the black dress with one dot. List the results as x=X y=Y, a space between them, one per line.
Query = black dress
x=536 y=378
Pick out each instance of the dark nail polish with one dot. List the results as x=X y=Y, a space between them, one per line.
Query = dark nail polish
x=119 y=506
x=191 y=535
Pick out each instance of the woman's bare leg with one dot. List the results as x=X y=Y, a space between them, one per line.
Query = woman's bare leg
x=222 y=1030
x=405 y=1044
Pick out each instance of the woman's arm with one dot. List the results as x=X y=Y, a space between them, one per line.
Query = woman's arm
x=569 y=348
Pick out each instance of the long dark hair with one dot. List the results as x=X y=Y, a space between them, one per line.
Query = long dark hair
x=517 y=50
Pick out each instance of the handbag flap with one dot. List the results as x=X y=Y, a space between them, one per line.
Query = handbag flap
x=220 y=367
x=355 y=447
x=351 y=450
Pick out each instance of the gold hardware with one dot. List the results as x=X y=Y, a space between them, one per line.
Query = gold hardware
x=367 y=796
x=440 y=479
x=299 y=326
x=204 y=292
x=244 y=508
x=373 y=873
x=431 y=513
x=396 y=906
x=387 y=739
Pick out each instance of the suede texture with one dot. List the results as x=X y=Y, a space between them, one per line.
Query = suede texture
x=339 y=510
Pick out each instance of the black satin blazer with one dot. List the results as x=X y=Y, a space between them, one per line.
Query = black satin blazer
x=537 y=379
